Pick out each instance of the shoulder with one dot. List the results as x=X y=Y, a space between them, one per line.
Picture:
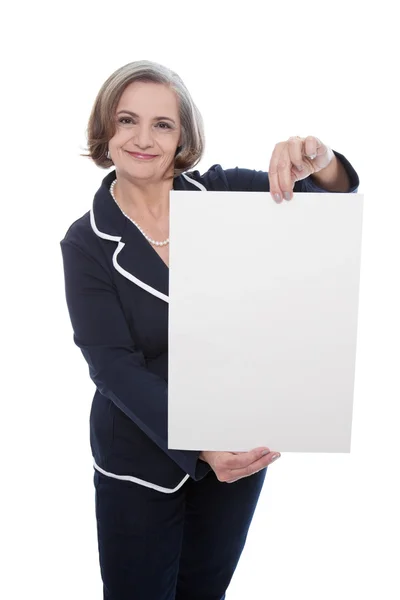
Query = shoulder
x=82 y=249
x=77 y=228
x=80 y=234
x=234 y=179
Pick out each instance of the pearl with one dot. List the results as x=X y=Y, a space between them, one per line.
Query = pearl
x=153 y=242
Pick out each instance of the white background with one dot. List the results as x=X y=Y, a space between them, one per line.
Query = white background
x=326 y=526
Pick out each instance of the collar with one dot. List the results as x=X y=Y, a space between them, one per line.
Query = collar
x=134 y=257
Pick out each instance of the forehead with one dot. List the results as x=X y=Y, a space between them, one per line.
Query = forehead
x=147 y=97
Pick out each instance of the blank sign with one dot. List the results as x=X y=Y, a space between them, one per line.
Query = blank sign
x=263 y=305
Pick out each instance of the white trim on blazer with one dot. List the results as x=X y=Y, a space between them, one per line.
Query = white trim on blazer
x=154 y=292
x=115 y=238
x=142 y=482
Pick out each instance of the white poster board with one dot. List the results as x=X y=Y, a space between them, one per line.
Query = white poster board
x=263 y=306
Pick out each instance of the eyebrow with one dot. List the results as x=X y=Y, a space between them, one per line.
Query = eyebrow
x=132 y=114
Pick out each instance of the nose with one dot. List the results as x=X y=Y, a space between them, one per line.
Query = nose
x=143 y=136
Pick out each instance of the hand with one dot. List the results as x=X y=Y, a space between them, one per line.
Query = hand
x=296 y=159
x=231 y=466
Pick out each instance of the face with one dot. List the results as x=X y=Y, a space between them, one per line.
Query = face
x=147 y=122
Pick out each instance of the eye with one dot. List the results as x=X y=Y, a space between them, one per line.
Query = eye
x=129 y=121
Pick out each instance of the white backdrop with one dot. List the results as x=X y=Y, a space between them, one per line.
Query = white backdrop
x=327 y=526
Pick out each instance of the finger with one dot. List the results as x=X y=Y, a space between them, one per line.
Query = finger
x=311 y=146
x=273 y=176
x=254 y=467
x=243 y=459
x=285 y=173
x=296 y=150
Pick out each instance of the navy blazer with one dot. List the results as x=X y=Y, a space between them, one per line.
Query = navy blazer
x=117 y=295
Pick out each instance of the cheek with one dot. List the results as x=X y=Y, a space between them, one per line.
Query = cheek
x=170 y=144
x=120 y=138
x=167 y=147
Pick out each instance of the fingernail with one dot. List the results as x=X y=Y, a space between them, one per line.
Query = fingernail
x=265 y=452
x=275 y=457
x=286 y=195
x=277 y=197
x=312 y=156
x=300 y=167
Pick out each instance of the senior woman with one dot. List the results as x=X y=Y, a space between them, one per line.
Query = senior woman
x=171 y=524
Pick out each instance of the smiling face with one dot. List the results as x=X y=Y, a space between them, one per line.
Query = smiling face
x=147 y=122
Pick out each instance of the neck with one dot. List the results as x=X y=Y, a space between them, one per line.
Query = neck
x=144 y=198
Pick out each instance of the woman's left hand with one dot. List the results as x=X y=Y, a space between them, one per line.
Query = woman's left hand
x=296 y=159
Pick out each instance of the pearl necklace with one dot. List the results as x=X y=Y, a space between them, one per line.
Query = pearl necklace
x=164 y=243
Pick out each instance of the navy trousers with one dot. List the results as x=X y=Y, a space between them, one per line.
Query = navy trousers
x=180 y=546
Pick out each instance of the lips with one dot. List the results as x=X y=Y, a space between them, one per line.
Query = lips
x=140 y=155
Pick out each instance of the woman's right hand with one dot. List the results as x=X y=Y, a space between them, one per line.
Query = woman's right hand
x=231 y=466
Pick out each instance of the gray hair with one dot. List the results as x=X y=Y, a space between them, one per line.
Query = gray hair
x=102 y=127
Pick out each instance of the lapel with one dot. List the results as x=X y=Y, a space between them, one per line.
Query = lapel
x=134 y=257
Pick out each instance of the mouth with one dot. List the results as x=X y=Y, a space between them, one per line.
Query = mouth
x=140 y=156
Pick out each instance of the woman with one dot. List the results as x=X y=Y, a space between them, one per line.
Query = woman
x=169 y=526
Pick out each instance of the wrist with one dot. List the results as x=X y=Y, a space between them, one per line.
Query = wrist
x=333 y=178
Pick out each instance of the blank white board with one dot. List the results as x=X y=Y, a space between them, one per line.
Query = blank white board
x=263 y=305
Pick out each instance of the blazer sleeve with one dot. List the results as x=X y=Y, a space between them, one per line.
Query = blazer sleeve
x=116 y=365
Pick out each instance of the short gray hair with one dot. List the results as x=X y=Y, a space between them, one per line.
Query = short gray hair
x=101 y=126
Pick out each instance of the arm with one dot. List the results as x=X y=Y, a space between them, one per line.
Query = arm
x=116 y=366
x=338 y=176
x=333 y=178
x=251 y=180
